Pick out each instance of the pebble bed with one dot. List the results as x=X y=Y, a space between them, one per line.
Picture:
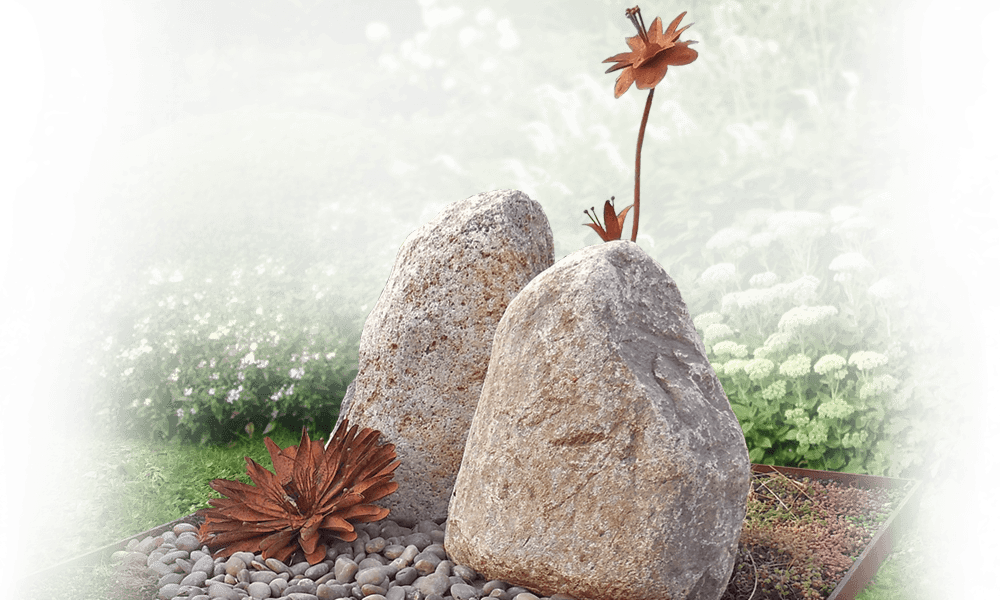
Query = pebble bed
x=386 y=562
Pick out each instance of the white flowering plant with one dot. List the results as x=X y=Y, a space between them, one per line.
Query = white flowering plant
x=207 y=357
x=797 y=323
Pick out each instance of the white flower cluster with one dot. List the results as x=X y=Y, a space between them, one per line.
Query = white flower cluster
x=878 y=386
x=763 y=280
x=797 y=417
x=716 y=332
x=751 y=298
x=705 y=319
x=802 y=317
x=865 y=360
x=855 y=439
x=796 y=366
x=775 y=391
x=734 y=367
x=758 y=368
x=835 y=409
x=829 y=363
x=776 y=342
x=730 y=348
x=135 y=353
x=718 y=275
x=800 y=291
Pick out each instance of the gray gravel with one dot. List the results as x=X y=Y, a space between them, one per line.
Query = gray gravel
x=386 y=562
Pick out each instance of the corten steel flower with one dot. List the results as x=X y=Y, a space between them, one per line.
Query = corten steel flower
x=646 y=65
x=311 y=492
x=613 y=223
x=652 y=52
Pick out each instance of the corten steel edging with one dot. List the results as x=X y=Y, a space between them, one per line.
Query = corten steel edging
x=857 y=577
x=868 y=562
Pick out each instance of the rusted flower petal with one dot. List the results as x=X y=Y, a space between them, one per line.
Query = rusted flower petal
x=613 y=223
x=651 y=53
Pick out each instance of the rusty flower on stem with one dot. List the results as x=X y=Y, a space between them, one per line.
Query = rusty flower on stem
x=613 y=223
x=646 y=65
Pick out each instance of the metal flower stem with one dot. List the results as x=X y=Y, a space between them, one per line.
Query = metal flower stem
x=638 y=156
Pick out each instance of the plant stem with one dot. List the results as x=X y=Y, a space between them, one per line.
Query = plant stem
x=638 y=156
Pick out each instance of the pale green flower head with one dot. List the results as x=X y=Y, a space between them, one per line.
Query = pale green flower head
x=829 y=363
x=758 y=368
x=843 y=213
x=718 y=275
x=761 y=240
x=775 y=391
x=763 y=280
x=796 y=366
x=716 y=332
x=852 y=262
x=813 y=433
x=835 y=409
x=734 y=367
x=730 y=236
x=747 y=299
x=730 y=348
x=865 y=360
x=705 y=319
x=757 y=216
x=794 y=226
x=802 y=317
x=884 y=289
x=878 y=386
x=797 y=417
x=855 y=439
x=778 y=341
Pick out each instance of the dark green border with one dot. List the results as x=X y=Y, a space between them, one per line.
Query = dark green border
x=53 y=212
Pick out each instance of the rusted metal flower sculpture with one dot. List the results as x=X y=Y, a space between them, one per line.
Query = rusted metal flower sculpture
x=613 y=223
x=646 y=65
x=312 y=492
x=652 y=52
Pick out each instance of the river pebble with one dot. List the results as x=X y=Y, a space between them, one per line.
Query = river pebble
x=386 y=562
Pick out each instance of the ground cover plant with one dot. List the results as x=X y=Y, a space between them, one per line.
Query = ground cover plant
x=768 y=204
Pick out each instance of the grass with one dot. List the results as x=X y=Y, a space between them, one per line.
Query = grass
x=120 y=487
x=100 y=491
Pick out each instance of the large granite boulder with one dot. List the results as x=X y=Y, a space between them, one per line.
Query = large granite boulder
x=604 y=460
x=425 y=346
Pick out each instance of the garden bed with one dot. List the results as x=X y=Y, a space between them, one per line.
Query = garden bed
x=808 y=534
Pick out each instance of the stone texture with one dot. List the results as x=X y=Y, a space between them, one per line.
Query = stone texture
x=425 y=346
x=604 y=460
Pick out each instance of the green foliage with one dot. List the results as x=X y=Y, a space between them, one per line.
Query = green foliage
x=857 y=400
x=134 y=484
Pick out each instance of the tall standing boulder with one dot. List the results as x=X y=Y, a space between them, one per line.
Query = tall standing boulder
x=425 y=345
x=604 y=460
